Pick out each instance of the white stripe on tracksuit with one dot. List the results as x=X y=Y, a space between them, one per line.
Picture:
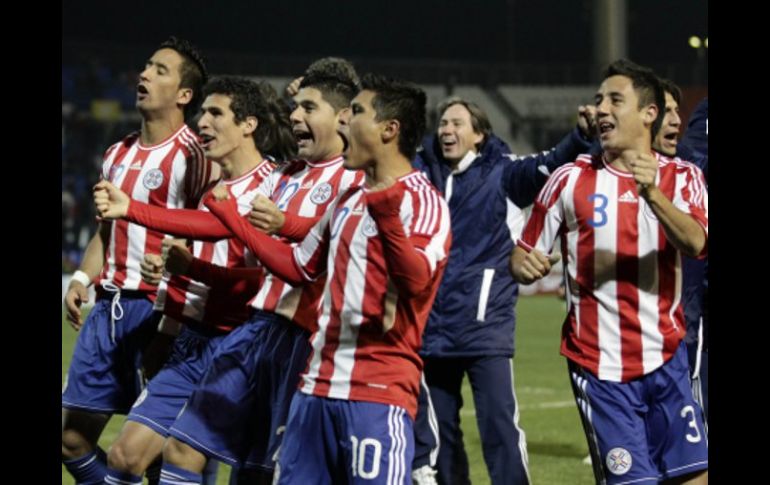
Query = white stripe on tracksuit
x=522 y=436
x=432 y=423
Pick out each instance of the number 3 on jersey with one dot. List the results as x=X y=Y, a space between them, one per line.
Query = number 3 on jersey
x=600 y=214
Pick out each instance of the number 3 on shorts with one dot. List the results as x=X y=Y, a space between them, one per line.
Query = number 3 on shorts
x=693 y=424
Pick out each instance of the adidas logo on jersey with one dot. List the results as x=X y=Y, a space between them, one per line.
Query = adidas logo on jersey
x=628 y=196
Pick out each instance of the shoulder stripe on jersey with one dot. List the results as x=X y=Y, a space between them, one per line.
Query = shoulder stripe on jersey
x=584 y=158
x=200 y=170
x=553 y=182
x=428 y=212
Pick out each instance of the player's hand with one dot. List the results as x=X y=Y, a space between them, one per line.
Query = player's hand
x=384 y=199
x=76 y=295
x=111 y=202
x=151 y=269
x=178 y=259
x=535 y=266
x=220 y=193
x=293 y=88
x=644 y=167
x=587 y=120
x=265 y=215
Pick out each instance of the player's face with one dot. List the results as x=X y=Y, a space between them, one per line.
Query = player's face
x=364 y=132
x=314 y=124
x=666 y=140
x=620 y=121
x=222 y=137
x=456 y=134
x=158 y=87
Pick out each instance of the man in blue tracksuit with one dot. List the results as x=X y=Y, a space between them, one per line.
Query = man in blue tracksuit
x=471 y=325
x=695 y=284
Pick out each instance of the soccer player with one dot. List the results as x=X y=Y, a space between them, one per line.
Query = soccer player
x=241 y=122
x=623 y=218
x=471 y=328
x=162 y=165
x=693 y=148
x=271 y=348
x=383 y=248
x=299 y=193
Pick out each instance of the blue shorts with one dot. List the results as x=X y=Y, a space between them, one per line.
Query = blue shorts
x=283 y=357
x=329 y=441
x=167 y=392
x=645 y=430
x=254 y=371
x=105 y=374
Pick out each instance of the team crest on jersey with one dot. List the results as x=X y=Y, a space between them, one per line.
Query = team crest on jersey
x=369 y=227
x=619 y=461
x=153 y=179
x=141 y=398
x=321 y=193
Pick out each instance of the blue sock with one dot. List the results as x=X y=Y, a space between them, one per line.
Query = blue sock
x=117 y=477
x=210 y=473
x=173 y=475
x=89 y=469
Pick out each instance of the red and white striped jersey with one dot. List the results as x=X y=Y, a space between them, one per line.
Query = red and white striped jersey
x=171 y=174
x=306 y=189
x=191 y=301
x=367 y=342
x=624 y=280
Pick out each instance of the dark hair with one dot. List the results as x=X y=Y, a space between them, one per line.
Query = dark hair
x=479 y=119
x=646 y=84
x=335 y=78
x=673 y=89
x=273 y=135
x=397 y=100
x=192 y=72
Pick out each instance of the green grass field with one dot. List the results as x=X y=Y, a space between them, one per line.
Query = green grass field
x=555 y=438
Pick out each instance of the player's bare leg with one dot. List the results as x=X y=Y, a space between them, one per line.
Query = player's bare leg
x=80 y=432
x=135 y=449
x=183 y=455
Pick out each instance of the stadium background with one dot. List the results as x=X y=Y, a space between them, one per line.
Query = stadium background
x=528 y=63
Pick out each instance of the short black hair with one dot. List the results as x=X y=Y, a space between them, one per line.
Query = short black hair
x=398 y=100
x=193 y=73
x=670 y=87
x=259 y=99
x=335 y=78
x=646 y=84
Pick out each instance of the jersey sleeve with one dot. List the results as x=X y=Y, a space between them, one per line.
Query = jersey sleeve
x=197 y=176
x=426 y=214
x=310 y=255
x=692 y=196
x=545 y=220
